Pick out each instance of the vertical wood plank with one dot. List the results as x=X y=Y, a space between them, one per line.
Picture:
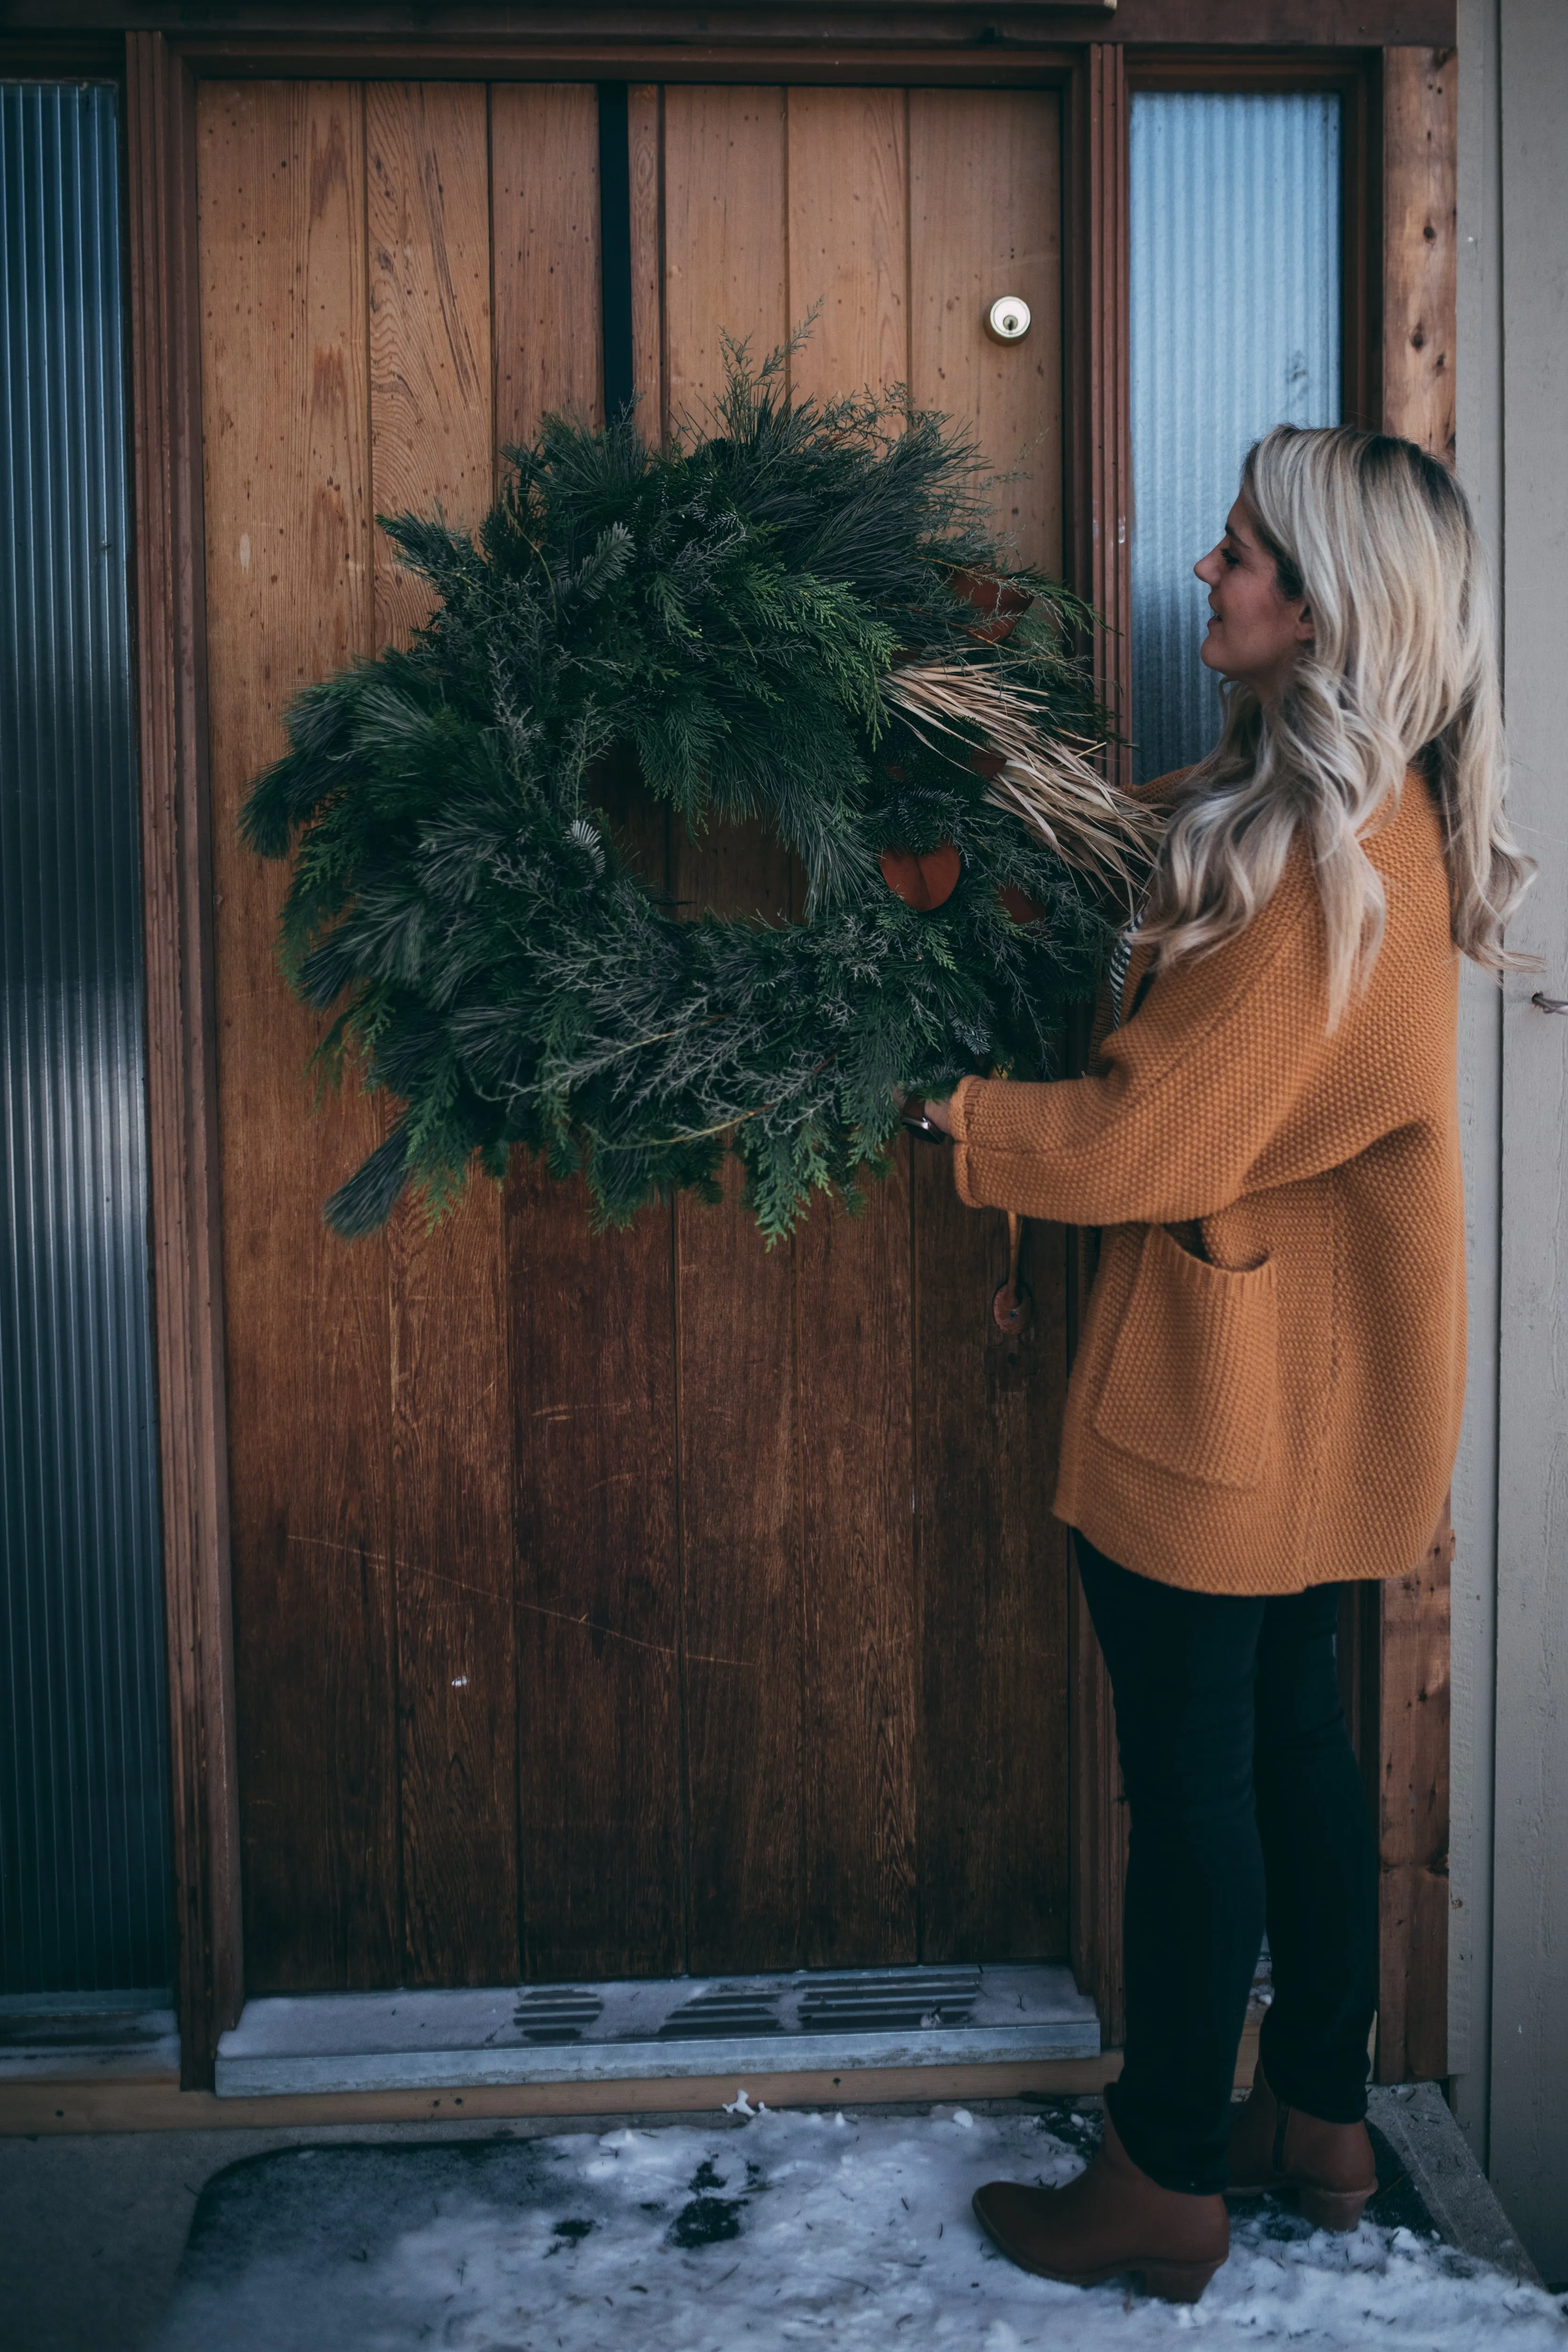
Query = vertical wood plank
x=592 y=1316
x=593 y=1360
x=1101 y=491
x=723 y=235
x=847 y=165
x=432 y=435
x=993 y=1588
x=724 y=260
x=741 y=1581
x=281 y=178
x=740 y=1513
x=1110 y=569
x=457 y=1675
x=984 y=220
x=1413 y=1820
x=428 y=172
x=1420 y=244
x=548 y=323
x=645 y=139
x=861 y=1608
x=182 y=1079
x=1420 y=251
x=848 y=238
x=1099 y=1826
x=1078 y=437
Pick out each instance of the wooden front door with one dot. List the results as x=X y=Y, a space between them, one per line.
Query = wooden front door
x=620 y=1604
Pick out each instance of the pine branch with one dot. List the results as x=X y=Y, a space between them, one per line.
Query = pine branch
x=761 y=616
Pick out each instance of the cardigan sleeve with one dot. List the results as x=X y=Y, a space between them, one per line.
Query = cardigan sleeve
x=1183 y=1098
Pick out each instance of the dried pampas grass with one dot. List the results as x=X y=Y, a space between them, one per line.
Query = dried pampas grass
x=1052 y=784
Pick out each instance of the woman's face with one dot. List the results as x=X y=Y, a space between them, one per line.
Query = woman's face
x=1254 y=632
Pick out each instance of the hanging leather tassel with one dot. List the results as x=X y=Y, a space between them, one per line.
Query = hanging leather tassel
x=1012 y=1305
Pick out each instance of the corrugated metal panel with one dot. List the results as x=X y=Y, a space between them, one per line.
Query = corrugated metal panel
x=1235 y=286
x=84 y=1833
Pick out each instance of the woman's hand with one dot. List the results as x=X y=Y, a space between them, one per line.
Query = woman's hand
x=925 y=1117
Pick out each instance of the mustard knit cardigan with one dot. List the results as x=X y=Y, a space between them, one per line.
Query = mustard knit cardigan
x=1271 y=1399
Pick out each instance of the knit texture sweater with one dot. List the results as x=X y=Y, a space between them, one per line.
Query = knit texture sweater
x=1268 y=1397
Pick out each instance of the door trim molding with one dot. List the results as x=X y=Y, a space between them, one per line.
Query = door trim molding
x=182 y=1095
x=1100 y=473
x=1417 y=318
x=290 y=36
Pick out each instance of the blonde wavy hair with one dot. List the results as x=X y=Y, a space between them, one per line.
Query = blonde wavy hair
x=1401 y=673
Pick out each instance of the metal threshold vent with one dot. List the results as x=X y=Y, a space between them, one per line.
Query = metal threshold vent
x=99 y=2035
x=805 y=2022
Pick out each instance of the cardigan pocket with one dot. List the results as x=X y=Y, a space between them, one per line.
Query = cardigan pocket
x=1192 y=1385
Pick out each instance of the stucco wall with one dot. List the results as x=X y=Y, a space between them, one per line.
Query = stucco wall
x=1510 y=1883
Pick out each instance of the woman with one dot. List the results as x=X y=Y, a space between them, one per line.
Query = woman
x=1266 y=1394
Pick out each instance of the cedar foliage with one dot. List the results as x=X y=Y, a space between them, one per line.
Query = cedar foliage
x=724 y=610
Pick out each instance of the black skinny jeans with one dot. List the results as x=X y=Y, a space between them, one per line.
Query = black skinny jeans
x=1246 y=1808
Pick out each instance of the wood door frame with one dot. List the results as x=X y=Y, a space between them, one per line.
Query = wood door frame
x=1405 y=1721
x=1092 y=60
x=1399 y=178
x=182 y=1061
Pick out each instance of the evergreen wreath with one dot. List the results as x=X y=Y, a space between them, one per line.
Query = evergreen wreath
x=803 y=615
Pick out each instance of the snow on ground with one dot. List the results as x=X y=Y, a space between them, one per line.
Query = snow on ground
x=792 y=2230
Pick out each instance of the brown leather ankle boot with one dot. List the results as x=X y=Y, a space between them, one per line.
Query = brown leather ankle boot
x=1330 y=2166
x=1112 y=2219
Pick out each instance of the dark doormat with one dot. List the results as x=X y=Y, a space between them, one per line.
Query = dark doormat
x=776 y=2230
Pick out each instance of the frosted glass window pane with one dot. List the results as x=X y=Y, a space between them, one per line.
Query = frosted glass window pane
x=1235 y=289
x=86 y=1880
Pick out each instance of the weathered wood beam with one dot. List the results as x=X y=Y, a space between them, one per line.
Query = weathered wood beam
x=1420 y=252
x=414 y=39
x=182 y=1096
x=1420 y=244
x=1413 y=1820
x=1100 y=494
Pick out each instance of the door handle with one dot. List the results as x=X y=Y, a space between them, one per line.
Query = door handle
x=1549 y=1003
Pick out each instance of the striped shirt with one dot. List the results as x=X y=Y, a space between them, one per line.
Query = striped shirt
x=1120 y=957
